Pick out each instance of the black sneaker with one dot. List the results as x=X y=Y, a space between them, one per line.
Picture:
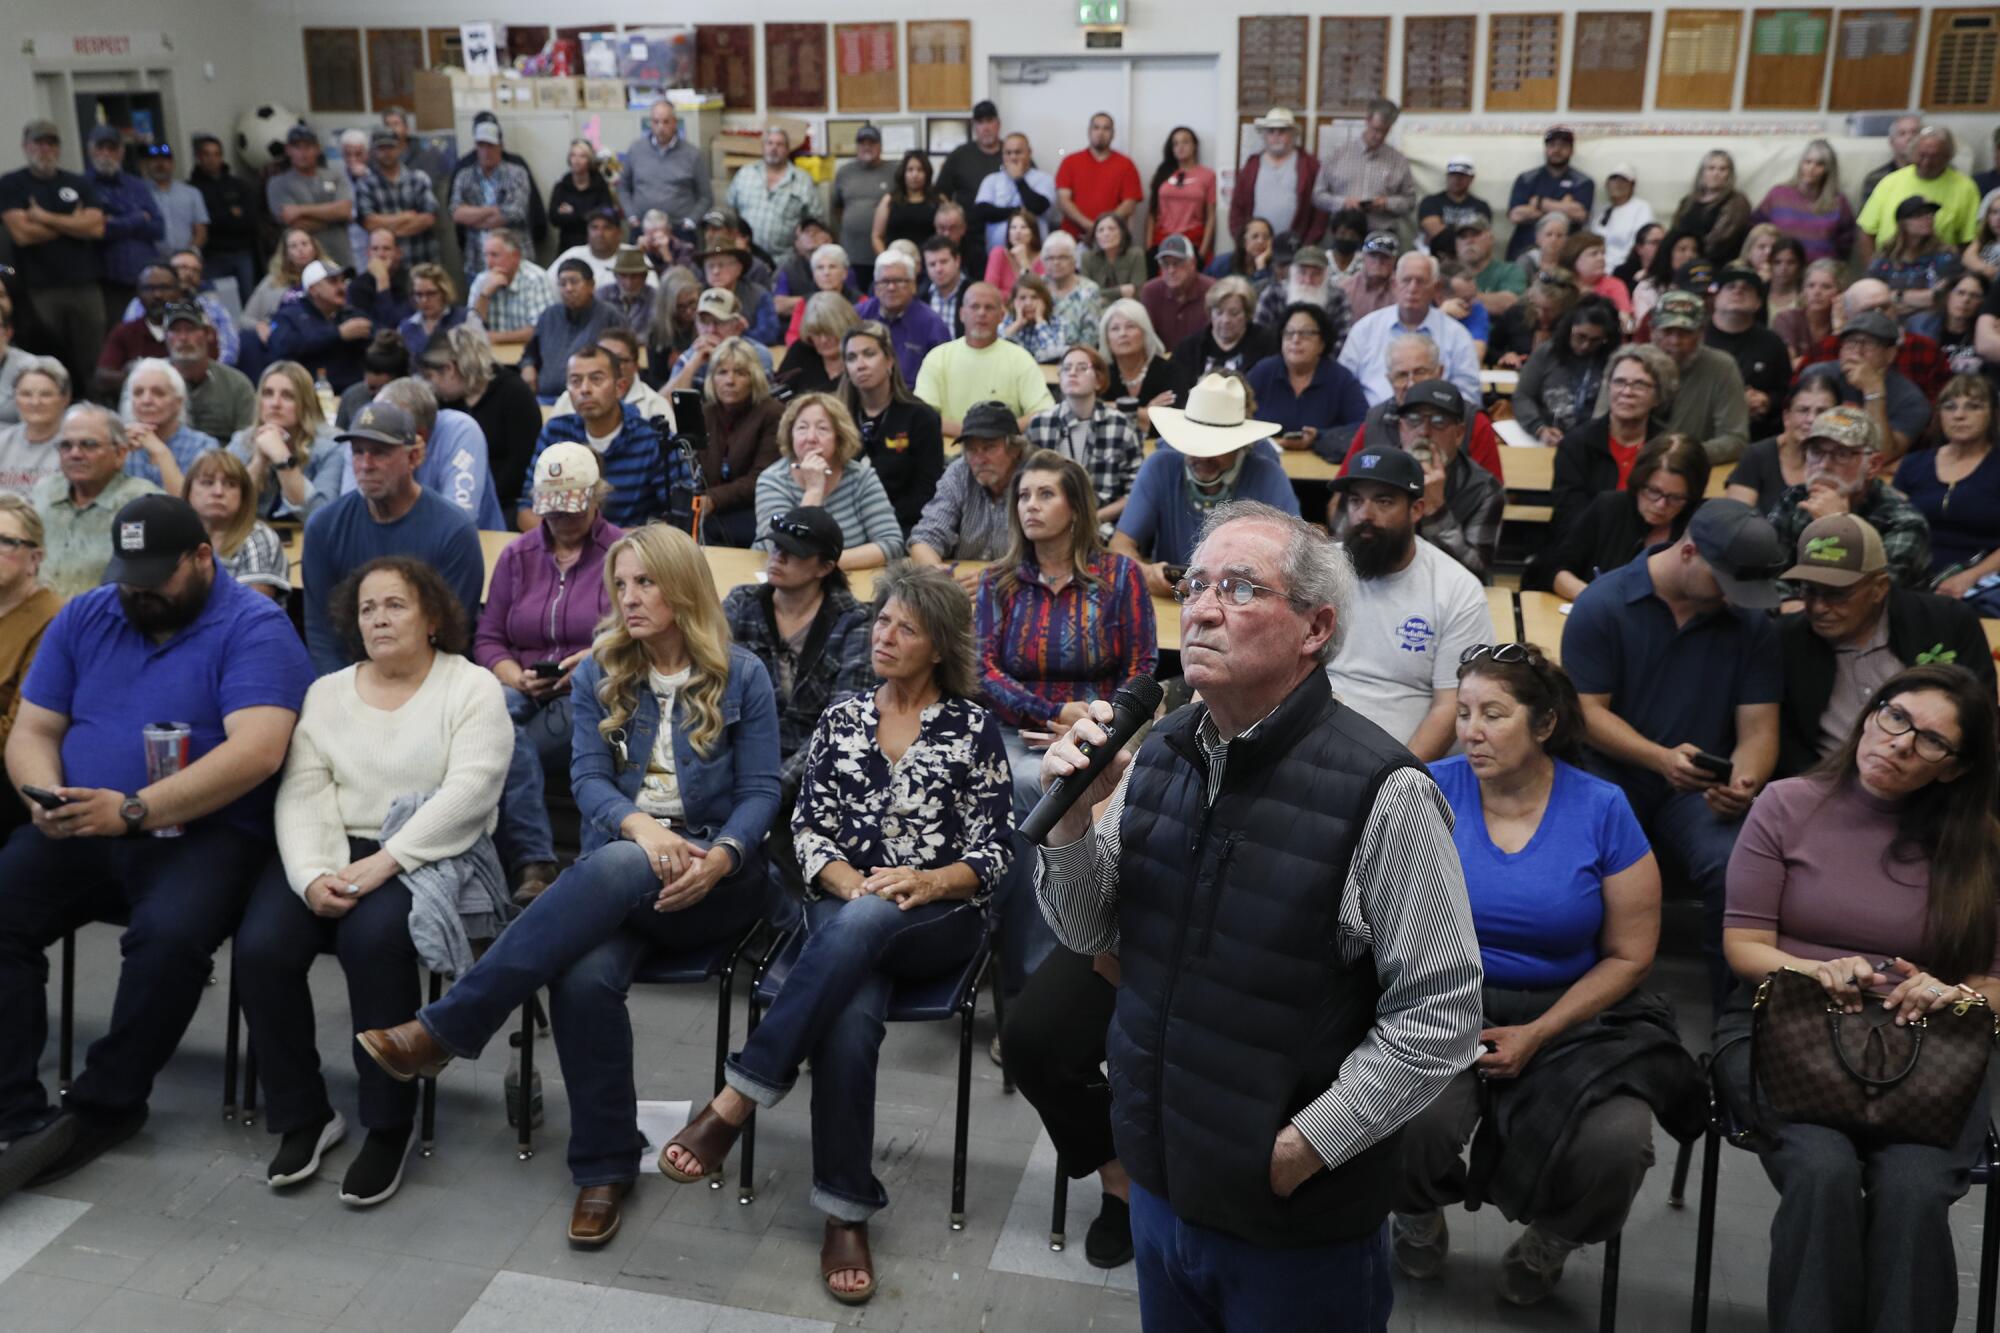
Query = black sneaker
x=95 y=1136
x=300 y=1150
x=1108 y=1243
x=32 y=1153
x=377 y=1170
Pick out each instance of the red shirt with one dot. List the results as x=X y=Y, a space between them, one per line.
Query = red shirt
x=132 y=339
x=1624 y=455
x=1484 y=449
x=1176 y=316
x=1097 y=188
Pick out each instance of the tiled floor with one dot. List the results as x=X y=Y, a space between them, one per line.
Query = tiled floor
x=176 y=1230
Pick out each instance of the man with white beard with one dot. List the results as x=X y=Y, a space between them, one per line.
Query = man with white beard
x=1307 y=280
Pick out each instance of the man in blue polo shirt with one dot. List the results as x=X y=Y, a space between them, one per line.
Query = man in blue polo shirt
x=1675 y=658
x=215 y=655
x=644 y=475
x=1553 y=187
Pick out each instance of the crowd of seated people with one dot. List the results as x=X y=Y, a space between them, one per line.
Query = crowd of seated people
x=1774 y=514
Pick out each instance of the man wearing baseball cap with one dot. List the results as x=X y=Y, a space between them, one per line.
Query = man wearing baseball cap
x=1462 y=500
x=220 y=398
x=718 y=316
x=1177 y=300
x=858 y=187
x=1440 y=215
x=56 y=221
x=1416 y=610
x=1553 y=187
x=1276 y=184
x=1841 y=448
x=313 y=196
x=1709 y=405
x=1500 y=282
x=967 y=517
x=1674 y=657
x=1871 y=378
x=388 y=513
x=1309 y=279
x=1366 y=173
x=493 y=195
x=217 y=656
x=322 y=332
x=398 y=197
x=1624 y=214
x=1736 y=327
x=1373 y=287
x=1857 y=629
x=974 y=160
x=134 y=226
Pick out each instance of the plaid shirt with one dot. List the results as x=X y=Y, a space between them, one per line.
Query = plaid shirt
x=1351 y=170
x=945 y=305
x=1906 y=535
x=964 y=520
x=1107 y=445
x=773 y=213
x=410 y=192
x=508 y=190
x=521 y=302
x=836 y=660
x=1918 y=358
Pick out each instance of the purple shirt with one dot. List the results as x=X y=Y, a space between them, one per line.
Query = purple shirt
x=537 y=613
x=913 y=333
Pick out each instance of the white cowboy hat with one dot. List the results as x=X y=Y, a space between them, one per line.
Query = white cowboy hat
x=1213 y=421
x=1277 y=118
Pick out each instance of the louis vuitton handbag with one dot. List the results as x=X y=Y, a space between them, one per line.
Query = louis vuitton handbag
x=1860 y=1073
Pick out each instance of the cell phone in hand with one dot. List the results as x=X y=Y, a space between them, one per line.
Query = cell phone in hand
x=45 y=798
x=1174 y=573
x=1714 y=765
x=546 y=670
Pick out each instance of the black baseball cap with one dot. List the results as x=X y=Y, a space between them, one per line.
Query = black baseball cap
x=300 y=132
x=1744 y=274
x=807 y=531
x=1440 y=395
x=989 y=420
x=149 y=538
x=183 y=312
x=868 y=134
x=380 y=423
x=1916 y=206
x=1387 y=465
x=985 y=111
x=1743 y=551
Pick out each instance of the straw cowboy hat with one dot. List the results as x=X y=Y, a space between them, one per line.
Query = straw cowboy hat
x=1213 y=421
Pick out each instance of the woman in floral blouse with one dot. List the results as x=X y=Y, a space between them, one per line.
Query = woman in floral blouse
x=902 y=827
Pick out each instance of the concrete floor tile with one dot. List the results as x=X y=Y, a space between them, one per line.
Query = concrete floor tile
x=311 y=1277
x=105 y=1245
x=124 y=1311
x=38 y=1303
x=415 y=1296
x=207 y=1263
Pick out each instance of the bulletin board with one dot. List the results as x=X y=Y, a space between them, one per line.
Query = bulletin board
x=1963 y=70
x=1437 y=62
x=445 y=48
x=725 y=58
x=394 y=57
x=865 y=75
x=940 y=61
x=1787 y=63
x=1607 y=69
x=1874 y=55
x=1353 y=63
x=1271 y=63
x=333 y=70
x=1698 y=60
x=795 y=64
x=1523 y=62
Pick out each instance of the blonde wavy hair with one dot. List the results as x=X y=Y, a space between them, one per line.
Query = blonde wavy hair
x=675 y=564
x=311 y=419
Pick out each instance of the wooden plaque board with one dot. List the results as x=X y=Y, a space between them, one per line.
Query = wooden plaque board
x=1787 y=63
x=1437 y=62
x=445 y=47
x=1353 y=63
x=725 y=57
x=1607 y=68
x=333 y=70
x=1523 y=62
x=1874 y=54
x=1698 y=60
x=865 y=76
x=394 y=57
x=795 y=64
x=1962 y=72
x=1271 y=63
x=940 y=63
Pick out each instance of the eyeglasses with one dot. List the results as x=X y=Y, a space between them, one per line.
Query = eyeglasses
x=897 y=281
x=1506 y=654
x=1829 y=453
x=1660 y=497
x=80 y=446
x=1930 y=746
x=1229 y=591
x=16 y=545
x=1819 y=592
x=1425 y=421
x=1300 y=335
x=1632 y=385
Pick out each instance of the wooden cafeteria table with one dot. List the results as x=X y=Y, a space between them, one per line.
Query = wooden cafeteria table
x=1543 y=615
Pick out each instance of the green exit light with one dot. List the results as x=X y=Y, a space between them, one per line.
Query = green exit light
x=1100 y=13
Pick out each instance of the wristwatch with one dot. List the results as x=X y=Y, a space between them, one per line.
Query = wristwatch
x=135 y=812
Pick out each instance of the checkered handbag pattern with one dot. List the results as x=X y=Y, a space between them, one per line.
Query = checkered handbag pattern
x=1860 y=1073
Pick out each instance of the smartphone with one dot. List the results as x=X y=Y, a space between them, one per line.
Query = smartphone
x=45 y=798
x=546 y=670
x=1714 y=765
x=1175 y=573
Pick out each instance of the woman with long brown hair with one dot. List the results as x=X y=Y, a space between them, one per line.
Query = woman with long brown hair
x=293 y=459
x=220 y=489
x=1877 y=873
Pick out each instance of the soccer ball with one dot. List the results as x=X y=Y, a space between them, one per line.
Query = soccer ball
x=260 y=133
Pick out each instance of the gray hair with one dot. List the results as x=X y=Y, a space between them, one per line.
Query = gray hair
x=154 y=365
x=1428 y=261
x=1656 y=363
x=414 y=397
x=1127 y=308
x=654 y=217
x=1315 y=569
x=1059 y=240
x=945 y=612
x=1432 y=353
x=1234 y=286
x=506 y=237
x=1384 y=110
x=1938 y=132
x=832 y=251
x=94 y=411
x=896 y=259
x=358 y=138
x=1552 y=220
x=55 y=370
x=466 y=350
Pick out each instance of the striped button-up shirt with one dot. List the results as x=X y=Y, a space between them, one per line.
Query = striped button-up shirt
x=773 y=211
x=521 y=302
x=964 y=520
x=1351 y=170
x=411 y=192
x=1404 y=903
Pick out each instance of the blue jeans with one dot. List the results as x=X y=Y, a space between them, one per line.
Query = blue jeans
x=541 y=736
x=584 y=939
x=1024 y=934
x=1193 y=1279
x=181 y=898
x=1702 y=843
x=832 y=1008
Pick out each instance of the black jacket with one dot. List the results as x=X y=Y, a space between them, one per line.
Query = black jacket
x=1584 y=468
x=1198 y=355
x=1228 y=1022
x=905 y=446
x=1605 y=534
x=1921 y=625
x=511 y=420
x=232 y=214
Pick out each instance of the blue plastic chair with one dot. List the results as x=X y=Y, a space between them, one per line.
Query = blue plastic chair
x=938 y=999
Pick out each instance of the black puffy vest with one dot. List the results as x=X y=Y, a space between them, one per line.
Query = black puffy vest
x=1235 y=1008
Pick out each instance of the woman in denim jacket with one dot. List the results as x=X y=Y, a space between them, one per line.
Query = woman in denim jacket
x=672 y=820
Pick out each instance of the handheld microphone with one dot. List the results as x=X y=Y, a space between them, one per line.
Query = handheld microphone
x=1130 y=710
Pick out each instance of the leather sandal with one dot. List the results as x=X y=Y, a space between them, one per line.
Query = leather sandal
x=845 y=1248
x=709 y=1138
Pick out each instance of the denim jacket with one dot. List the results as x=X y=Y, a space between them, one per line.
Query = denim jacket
x=731 y=793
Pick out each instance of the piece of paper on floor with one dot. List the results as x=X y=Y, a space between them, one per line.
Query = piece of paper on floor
x=660 y=1121
x=1513 y=432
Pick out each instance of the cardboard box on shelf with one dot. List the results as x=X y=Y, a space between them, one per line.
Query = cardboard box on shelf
x=436 y=99
x=563 y=94
x=604 y=94
x=512 y=94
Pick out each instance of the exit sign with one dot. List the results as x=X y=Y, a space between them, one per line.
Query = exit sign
x=1100 y=13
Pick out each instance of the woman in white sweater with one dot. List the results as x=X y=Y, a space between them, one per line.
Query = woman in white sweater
x=414 y=719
